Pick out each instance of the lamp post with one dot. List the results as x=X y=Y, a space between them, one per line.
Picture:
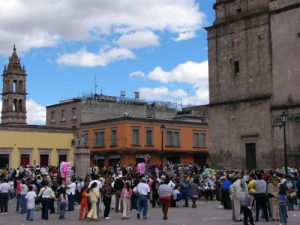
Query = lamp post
x=284 y=118
x=162 y=131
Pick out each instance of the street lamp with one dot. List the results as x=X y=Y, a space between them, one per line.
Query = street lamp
x=162 y=131
x=284 y=118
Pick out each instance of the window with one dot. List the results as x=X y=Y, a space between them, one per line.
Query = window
x=199 y=139
x=99 y=138
x=74 y=113
x=238 y=10
x=236 y=67
x=14 y=86
x=173 y=138
x=114 y=137
x=53 y=117
x=85 y=139
x=135 y=136
x=63 y=115
x=149 y=137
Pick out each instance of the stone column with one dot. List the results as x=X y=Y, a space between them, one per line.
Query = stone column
x=82 y=161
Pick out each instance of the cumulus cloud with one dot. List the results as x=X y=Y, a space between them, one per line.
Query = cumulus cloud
x=89 y=59
x=139 y=74
x=36 y=113
x=192 y=74
x=138 y=39
x=35 y=23
x=188 y=72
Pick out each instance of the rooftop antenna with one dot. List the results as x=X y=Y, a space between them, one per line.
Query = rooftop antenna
x=188 y=92
x=95 y=84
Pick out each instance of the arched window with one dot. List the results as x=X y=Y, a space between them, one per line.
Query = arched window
x=15 y=105
x=20 y=106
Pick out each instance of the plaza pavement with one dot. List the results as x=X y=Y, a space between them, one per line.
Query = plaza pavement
x=206 y=213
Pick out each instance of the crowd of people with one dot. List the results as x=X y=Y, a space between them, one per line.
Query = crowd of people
x=269 y=194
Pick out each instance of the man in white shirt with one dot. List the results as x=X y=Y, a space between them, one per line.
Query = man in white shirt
x=71 y=195
x=4 y=192
x=143 y=191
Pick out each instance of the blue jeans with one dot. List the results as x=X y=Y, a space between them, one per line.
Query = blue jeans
x=71 y=199
x=23 y=204
x=62 y=210
x=30 y=213
x=143 y=205
x=283 y=214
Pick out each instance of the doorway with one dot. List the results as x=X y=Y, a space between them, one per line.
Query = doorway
x=44 y=160
x=4 y=161
x=25 y=160
x=251 y=155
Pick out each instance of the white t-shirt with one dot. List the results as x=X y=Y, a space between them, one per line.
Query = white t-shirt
x=143 y=189
x=71 y=189
x=30 y=196
x=5 y=188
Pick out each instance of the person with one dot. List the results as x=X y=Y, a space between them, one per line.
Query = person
x=282 y=198
x=118 y=186
x=94 y=197
x=107 y=196
x=71 y=195
x=143 y=191
x=273 y=200
x=18 y=189
x=194 y=191
x=84 y=202
x=225 y=187
x=63 y=199
x=46 y=193
x=260 y=187
x=24 y=190
x=246 y=205
x=4 y=193
x=126 y=194
x=30 y=204
x=99 y=183
x=238 y=191
x=165 y=192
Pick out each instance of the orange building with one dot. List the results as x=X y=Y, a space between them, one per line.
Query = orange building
x=127 y=140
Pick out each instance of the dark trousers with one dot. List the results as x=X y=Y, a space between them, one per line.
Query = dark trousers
x=3 y=202
x=247 y=215
x=18 y=202
x=51 y=206
x=165 y=204
x=261 y=203
x=107 y=203
x=45 y=208
x=118 y=202
x=71 y=199
x=226 y=199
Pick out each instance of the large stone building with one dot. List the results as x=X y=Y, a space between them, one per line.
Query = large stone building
x=254 y=75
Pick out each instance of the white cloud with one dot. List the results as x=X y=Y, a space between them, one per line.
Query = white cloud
x=188 y=72
x=138 y=39
x=89 y=59
x=36 y=113
x=35 y=23
x=139 y=74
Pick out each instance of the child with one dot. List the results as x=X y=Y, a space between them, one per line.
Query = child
x=63 y=204
x=84 y=202
x=246 y=204
x=126 y=194
x=282 y=198
x=30 y=202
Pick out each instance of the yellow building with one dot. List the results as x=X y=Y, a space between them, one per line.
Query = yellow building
x=35 y=145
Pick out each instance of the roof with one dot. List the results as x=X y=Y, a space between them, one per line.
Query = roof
x=34 y=128
x=142 y=120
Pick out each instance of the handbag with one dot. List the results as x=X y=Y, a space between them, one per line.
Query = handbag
x=38 y=200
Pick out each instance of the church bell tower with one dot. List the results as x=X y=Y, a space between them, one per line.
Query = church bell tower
x=14 y=92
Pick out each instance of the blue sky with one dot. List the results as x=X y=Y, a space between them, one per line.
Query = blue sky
x=156 y=47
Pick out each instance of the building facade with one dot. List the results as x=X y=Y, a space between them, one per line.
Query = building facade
x=254 y=77
x=73 y=112
x=127 y=140
x=23 y=145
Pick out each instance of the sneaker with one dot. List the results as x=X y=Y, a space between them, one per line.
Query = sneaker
x=107 y=218
x=138 y=216
x=2 y=214
x=6 y=213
